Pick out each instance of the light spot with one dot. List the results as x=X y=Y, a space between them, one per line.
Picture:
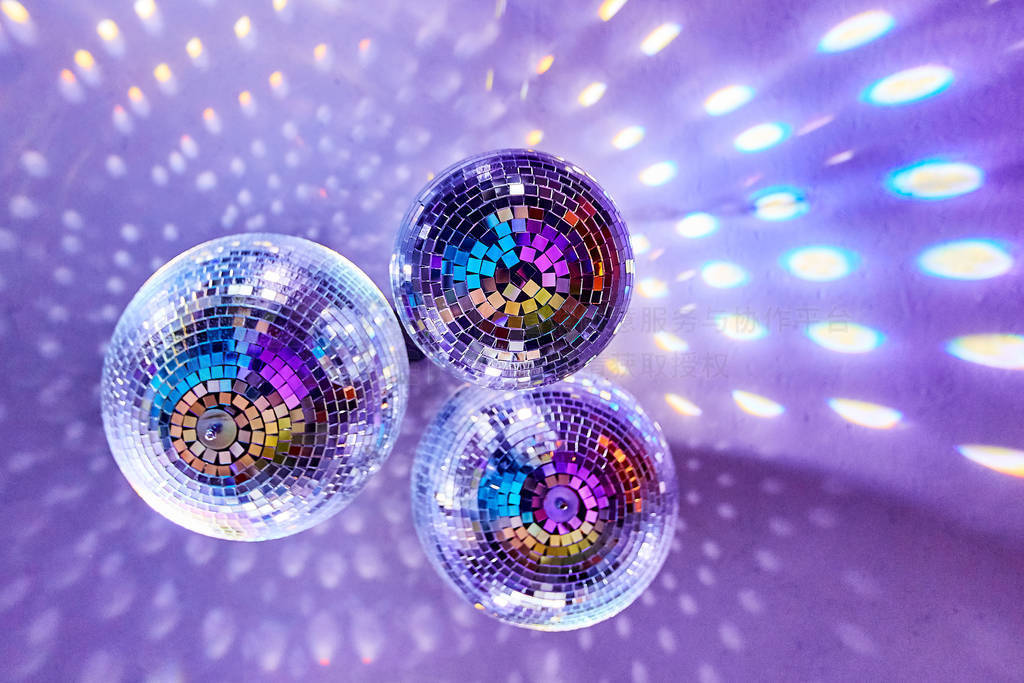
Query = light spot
x=780 y=204
x=628 y=137
x=666 y=341
x=723 y=275
x=935 y=180
x=22 y=207
x=1004 y=351
x=659 y=173
x=616 y=367
x=243 y=27
x=871 y=415
x=70 y=89
x=857 y=30
x=740 y=327
x=659 y=38
x=116 y=166
x=756 y=405
x=15 y=11
x=211 y=120
x=206 y=181
x=247 y=103
x=592 y=93
x=640 y=243
x=544 y=63
x=815 y=124
x=682 y=405
x=276 y=80
x=145 y=9
x=34 y=164
x=1005 y=460
x=652 y=288
x=534 y=137
x=162 y=73
x=760 y=137
x=844 y=337
x=730 y=636
x=727 y=99
x=609 y=8
x=194 y=47
x=697 y=224
x=855 y=639
x=976 y=259
x=108 y=32
x=909 y=85
x=839 y=158
x=819 y=263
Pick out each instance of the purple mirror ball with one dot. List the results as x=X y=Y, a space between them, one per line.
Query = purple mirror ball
x=512 y=269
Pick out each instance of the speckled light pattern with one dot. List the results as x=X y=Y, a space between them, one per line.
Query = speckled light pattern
x=512 y=268
x=551 y=509
x=252 y=386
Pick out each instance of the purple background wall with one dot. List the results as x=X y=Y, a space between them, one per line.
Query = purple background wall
x=810 y=548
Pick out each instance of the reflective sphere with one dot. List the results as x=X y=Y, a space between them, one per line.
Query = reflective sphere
x=252 y=386
x=513 y=269
x=552 y=508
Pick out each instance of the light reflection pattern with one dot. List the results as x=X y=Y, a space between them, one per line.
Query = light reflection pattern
x=973 y=259
x=697 y=224
x=669 y=342
x=652 y=288
x=1004 y=351
x=728 y=99
x=512 y=269
x=864 y=414
x=857 y=30
x=659 y=173
x=659 y=38
x=590 y=95
x=780 y=203
x=909 y=85
x=932 y=180
x=253 y=385
x=350 y=159
x=756 y=405
x=740 y=327
x=628 y=137
x=761 y=137
x=818 y=263
x=723 y=275
x=551 y=509
x=683 y=406
x=999 y=458
x=844 y=337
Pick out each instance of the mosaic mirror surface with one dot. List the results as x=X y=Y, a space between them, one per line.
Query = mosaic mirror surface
x=252 y=386
x=513 y=269
x=551 y=508
x=824 y=203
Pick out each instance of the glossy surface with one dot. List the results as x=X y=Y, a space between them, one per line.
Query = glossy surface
x=512 y=269
x=552 y=508
x=252 y=386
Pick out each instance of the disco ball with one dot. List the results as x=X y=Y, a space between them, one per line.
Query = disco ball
x=252 y=386
x=513 y=269
x=551 y=508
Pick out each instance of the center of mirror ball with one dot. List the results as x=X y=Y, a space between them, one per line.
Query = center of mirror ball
x=216 y=429
x=561 y=503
